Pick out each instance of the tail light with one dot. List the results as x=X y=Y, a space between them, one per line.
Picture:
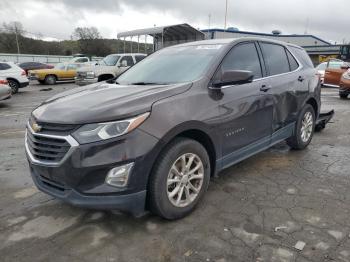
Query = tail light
x=23 y=73
x=3 y=82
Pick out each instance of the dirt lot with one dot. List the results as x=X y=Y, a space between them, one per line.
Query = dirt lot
x=255 y=211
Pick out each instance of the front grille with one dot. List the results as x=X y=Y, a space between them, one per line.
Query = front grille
x=81 y=75
x=52 y=184
x=47 y=149
x=52 y=128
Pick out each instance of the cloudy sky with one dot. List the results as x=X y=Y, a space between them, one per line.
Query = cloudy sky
x=58 y=18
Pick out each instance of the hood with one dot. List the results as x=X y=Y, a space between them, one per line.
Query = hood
x=103 y=102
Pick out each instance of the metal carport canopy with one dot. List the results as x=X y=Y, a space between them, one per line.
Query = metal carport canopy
x=180 y=31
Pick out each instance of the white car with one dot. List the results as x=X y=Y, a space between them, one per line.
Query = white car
x=111 y=66
x=15 y=76
x=5 y=90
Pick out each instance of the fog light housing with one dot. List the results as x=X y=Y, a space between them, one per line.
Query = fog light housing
x=119 y=176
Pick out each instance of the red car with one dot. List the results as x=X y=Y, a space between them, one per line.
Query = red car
x=33 y=66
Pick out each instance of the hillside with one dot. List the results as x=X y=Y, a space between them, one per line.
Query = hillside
x=96 y=47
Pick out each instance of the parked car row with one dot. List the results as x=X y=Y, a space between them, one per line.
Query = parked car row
x=86 y=72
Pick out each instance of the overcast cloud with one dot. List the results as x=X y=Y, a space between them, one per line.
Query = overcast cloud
x=57 y=19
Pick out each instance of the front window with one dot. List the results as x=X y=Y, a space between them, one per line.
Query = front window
x=72 y=67
x=110 y=60
x=60 y=66
x=172 y=65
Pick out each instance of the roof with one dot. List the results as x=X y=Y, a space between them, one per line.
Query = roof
x=180 y=31
x=264 y=34
x=224 y=41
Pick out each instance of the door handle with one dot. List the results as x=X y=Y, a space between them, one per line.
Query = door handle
x=301 y=79
x=265 y=88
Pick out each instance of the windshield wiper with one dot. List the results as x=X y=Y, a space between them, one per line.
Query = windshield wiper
x=146 y=83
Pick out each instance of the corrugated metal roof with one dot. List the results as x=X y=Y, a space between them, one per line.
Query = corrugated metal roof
x=180 y=31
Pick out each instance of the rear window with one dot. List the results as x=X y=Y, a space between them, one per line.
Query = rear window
x=302 y=56
x=276 y=58
x=292 y=62
x=4 y=66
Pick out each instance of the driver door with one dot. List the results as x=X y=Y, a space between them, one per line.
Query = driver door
x=246 y=111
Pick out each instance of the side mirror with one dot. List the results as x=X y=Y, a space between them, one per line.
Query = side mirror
x=234 y=77
x=124 y=63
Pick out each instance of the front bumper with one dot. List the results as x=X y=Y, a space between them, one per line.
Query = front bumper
x=85 y=81
x=79 y=179
x=23 y=84
x=133 y=203
x=5 y=92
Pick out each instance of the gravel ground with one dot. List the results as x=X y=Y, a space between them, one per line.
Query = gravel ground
x=257 y=210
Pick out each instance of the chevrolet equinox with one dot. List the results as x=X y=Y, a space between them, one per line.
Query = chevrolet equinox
x=152 y=138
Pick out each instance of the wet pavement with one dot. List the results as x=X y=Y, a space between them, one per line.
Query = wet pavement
x=257 y=210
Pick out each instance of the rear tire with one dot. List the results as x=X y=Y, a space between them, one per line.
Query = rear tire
x=50 y=80
x=343 y=96
x=304 y=129
x=180 y=179
x=14 y=86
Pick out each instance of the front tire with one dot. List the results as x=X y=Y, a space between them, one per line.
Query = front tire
x=50 y=80
x=14 y=86
x=304 y=129
x=180 y=179
x=343 y=96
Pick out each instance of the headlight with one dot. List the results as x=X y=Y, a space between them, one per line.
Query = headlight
x=346 y=75
x=96 y=132
x=90 y=74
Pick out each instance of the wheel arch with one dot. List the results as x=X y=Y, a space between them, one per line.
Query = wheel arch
x=197 y=131
x=313 y=102
x=13 y=79
x=54 y=75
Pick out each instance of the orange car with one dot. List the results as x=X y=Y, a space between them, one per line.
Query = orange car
x=344 y=86
x=334 y=72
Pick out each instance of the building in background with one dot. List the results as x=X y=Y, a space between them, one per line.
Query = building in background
x=319 y=50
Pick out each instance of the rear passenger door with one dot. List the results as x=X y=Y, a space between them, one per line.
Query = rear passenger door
x=282 y=72
x=245 y=110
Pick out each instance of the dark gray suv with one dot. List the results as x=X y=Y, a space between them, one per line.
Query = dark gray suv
x=151 y=139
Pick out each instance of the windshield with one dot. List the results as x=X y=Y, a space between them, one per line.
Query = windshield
x=171 y=65
x=60 y=66
x=111 y=60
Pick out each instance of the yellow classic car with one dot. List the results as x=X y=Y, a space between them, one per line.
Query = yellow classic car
x=61 y=72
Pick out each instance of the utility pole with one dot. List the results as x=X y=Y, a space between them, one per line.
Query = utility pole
x=17 y=41
x=209 y=16
x=225 y=15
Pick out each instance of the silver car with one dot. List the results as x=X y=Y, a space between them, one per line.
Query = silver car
x=5 y=89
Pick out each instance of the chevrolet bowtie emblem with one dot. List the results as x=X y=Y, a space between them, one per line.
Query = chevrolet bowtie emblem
x=36 y=128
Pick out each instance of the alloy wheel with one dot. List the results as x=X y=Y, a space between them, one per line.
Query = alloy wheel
x=306 y=127
x=185 y=180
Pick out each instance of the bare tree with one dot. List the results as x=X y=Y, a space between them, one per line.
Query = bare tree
x=11 y=32
x=90 y=41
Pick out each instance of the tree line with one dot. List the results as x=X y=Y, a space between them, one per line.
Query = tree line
x=84 y=40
